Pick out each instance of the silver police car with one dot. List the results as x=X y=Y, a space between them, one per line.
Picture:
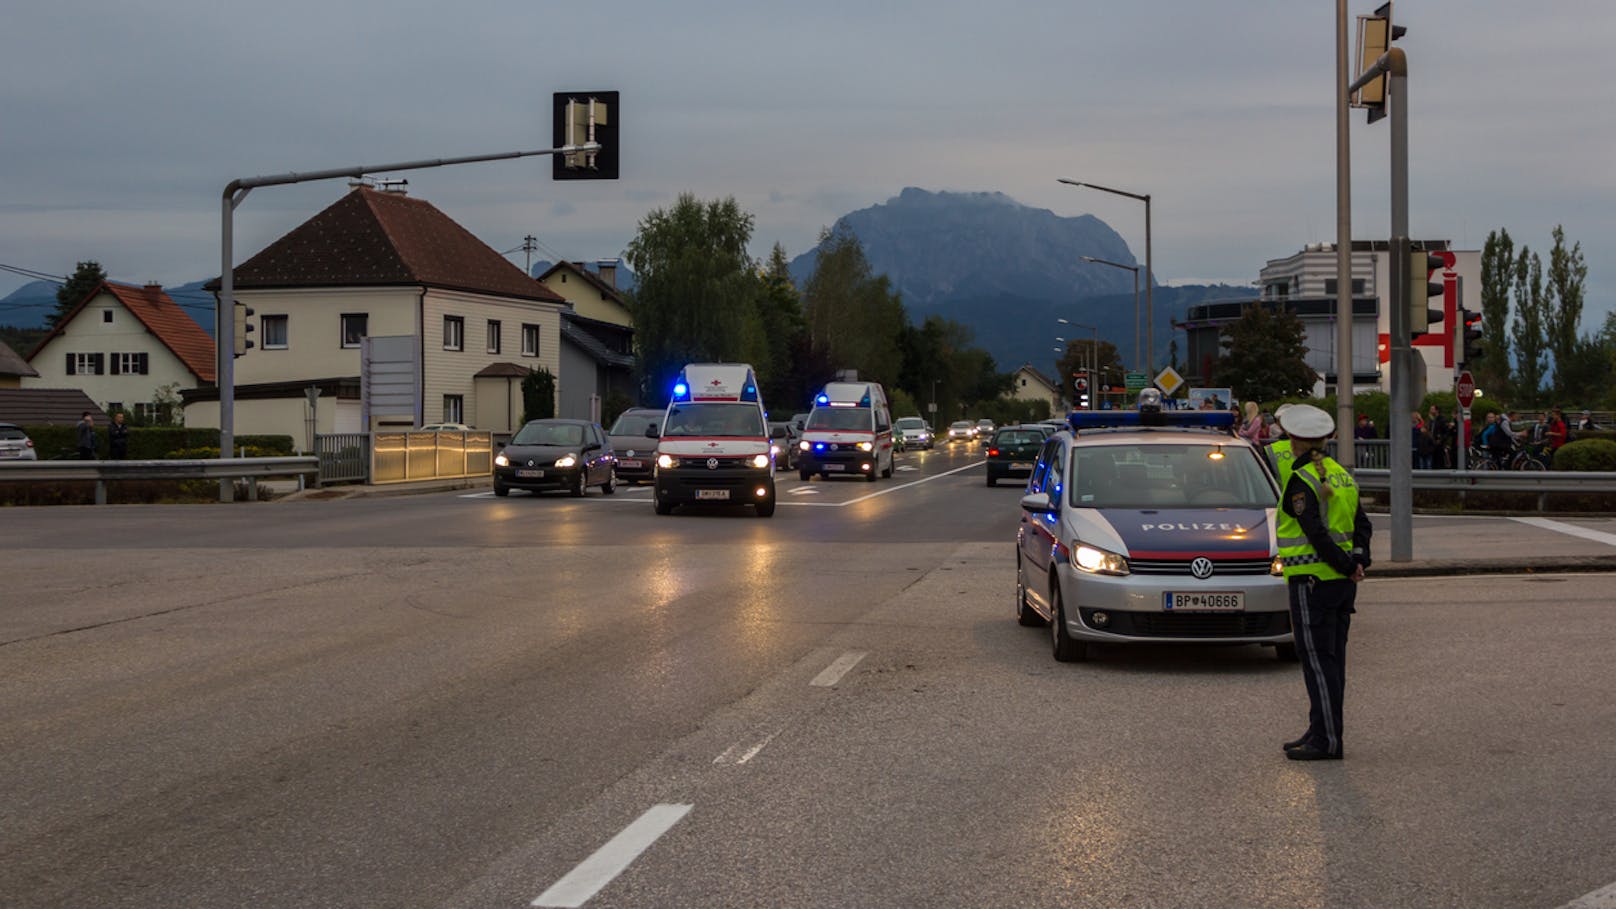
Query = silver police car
x=1155 y=526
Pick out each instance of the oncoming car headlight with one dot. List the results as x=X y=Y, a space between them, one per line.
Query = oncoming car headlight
x=566 y=460
x=1098 y=561
x=760 y=461
x=866 y=446
x=501 y=461
x=667 y=462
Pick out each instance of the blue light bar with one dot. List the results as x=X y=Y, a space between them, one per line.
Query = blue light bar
x=680 y=389
x=1117 y=419
x=822 y=399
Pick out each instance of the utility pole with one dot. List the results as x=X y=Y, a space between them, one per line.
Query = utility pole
x=1345 y=455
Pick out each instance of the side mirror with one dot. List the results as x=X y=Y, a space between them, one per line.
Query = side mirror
x=1037 y=502
x=651 y=432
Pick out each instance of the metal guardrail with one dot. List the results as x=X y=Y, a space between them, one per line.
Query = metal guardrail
x=1541 y=482
x=1371 y=453
x=249 y=469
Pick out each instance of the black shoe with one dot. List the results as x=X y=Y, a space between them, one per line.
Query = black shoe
x=1310 y=752
x=1294 y=744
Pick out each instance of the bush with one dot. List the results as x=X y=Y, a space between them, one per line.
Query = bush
x=1586 y=455
x=148 y=442
x=209 y=453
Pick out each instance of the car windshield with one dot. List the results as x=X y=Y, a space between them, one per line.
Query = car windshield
x=549 y=434
x=12 y=432
x=1018 y=437
x=909 y=423
x=1169 y=476
x=963 y=424
x=635 y=424
x=713 y=419
x=848 y=418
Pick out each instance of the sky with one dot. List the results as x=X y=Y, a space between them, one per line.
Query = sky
x=121 y=122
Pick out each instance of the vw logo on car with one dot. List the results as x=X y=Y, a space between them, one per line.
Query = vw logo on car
x=1201 y=568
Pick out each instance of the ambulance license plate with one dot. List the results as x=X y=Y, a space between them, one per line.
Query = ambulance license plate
x=713 y=494
x=1204 y=602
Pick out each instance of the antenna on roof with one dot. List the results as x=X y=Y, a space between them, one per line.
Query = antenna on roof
x=393 y=185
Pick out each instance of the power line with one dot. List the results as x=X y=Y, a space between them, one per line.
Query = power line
x=30 y=273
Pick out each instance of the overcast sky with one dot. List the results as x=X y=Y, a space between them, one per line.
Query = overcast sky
x=121 y=122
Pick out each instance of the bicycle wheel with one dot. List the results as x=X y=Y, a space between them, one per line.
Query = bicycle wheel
x=1528 y=461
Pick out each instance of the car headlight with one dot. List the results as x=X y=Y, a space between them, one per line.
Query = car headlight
x=501 y=461
x=666 y=462
x=1098 y=561
x=760 y=461
x=866 y=446
x=566 y=460
x=1276 y=567
x=804 y=445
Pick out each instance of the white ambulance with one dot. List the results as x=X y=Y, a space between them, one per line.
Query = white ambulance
x=849 y=432
x=714 y=444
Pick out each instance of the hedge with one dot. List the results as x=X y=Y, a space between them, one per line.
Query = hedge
x=1586 y=455
x=56 y=442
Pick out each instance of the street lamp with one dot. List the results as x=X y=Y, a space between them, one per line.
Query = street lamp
x=1150 y=283
x=1135 y=270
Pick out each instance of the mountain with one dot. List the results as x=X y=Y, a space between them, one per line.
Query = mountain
x=29 y=306
x=1008 y=271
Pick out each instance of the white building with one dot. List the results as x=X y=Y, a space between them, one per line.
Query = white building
x=1028 y=384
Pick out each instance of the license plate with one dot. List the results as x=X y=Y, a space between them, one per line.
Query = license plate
x=719 y=494
x=1204 y=602
x=627 y=462
x=531 y=474
x=830 y=467
x=1021 y=465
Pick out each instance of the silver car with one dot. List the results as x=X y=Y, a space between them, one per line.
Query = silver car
x=15 y=444
x=1151 y=530
x=912 y=433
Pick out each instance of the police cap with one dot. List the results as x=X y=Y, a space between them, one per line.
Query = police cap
x=1304 y=421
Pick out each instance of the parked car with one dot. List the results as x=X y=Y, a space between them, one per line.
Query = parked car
x=556 y=454
x=1012 y=451
x=15 y=444
x=634 y=440
x=445 y=427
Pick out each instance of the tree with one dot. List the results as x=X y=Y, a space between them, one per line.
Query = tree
x=1078 y=356
x=86 y=277
x=538 y=395
x=785 y=373
x=1532 y=313
x=1497 y=277
x=1567 y=274
x=697 y=291
x=854 y=315
x=1265 y=356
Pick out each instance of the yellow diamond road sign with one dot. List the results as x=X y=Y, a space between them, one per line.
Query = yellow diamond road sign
x=1169 y=381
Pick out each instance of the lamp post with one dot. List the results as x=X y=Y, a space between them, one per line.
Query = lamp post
x=1094 y=353
x=1150 y=280
x=1135 y=269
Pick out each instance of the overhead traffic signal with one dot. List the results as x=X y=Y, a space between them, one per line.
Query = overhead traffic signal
x=1421 y=267
x=579 y=118
x=242 y=344
x=1470 y=349
x=1375 y=35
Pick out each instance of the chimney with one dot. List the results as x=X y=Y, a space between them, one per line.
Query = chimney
x=153 y=287
x=608 y=272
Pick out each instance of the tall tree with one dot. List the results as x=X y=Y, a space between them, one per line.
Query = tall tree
x=1497 y=278
x=1081 y=354
x=1567 y=274
x=854 y=315
x=86 y=277
x=696 y=293
x=785 y=374
x=1528 y=330
x=1265 y=356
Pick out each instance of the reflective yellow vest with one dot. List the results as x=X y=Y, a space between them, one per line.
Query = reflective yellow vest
x=1284 y=461
x=1337 y=494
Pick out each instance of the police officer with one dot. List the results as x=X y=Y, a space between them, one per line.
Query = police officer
x=1323 y=537
x=1279 y=450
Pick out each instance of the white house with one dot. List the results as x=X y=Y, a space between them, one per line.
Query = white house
x=123 y=345
x=382 y=265
x=1028 y=384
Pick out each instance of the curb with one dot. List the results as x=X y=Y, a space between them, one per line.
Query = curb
x=334 y=493
x=1422 y=568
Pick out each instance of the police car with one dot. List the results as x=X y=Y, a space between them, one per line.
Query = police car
x=1150 y=526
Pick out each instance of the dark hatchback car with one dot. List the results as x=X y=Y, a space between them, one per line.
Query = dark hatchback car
x=634 y=439
x=556 y=454
x=1012 y=452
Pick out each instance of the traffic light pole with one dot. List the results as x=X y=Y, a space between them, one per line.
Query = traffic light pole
x=1344 y=440
x=224 y=317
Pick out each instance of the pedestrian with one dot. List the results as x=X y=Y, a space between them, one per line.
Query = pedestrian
x=1556 y=434
x=1424 y=445
x=1587 y=422
x=1442 y=438
x=86 y=428
x=1365 y=428
x=1323 y=537
x=118 y=437
x=1251 y=430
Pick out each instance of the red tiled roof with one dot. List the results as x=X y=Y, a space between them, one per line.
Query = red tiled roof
x=162 y=317
x=369 y=238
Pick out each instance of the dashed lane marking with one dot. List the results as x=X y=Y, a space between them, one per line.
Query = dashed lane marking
x=803 y=491
x=612 y=859
x=834 y=672
x=1573 y=530
x=740 y=752
x=1604 y=898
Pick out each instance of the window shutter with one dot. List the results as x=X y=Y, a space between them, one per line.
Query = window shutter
x=100 y=364
x=145 y=364
x=115 y=364
x=70 y=364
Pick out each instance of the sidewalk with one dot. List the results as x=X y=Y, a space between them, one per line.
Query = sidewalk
x=1458 y=544
x=286 y=491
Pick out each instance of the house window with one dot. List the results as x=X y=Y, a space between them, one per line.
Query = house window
x=493 y=336
x=454 y=409
x=113 y=407
x=530 y=340
x=454 y=333
x=86 y=364
x=354 y=328
x=130 y=364
x=274 y=328
x=106 y=315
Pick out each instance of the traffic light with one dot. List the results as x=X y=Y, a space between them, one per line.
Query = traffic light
x=1469 y=337
x=579 y=118
x=1375 y=34
x=1080 y=385
x=242 y=344
x=1421 y=266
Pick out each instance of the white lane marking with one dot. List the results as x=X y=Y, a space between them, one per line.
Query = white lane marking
x=892 y=489
x=803 y=491
x=612 y=859
x=740 y=753
x=1598 y=536
x=834 y=672
x=907 y=467
x=1603 y=898
x=478 y=495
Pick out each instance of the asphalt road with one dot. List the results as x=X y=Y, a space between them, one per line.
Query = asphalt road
x=457 y=700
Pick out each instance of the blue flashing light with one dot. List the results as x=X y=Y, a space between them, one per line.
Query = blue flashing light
x=819 y=446
x=1117 y=419
x=680 y=390
x=822 y=399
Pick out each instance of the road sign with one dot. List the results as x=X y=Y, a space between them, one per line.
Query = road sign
x=1465 y=390
x=1138 y=380
x=1081 y=383
x=1169 y=381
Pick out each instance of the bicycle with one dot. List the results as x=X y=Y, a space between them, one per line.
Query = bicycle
x=1532 y=456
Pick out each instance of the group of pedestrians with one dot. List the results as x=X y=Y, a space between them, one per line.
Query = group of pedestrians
x=117 y=437
x=1501 y=441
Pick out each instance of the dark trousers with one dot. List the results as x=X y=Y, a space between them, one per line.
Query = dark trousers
x=1321 y=614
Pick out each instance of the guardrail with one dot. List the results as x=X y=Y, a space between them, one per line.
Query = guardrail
x=1541 y=482
x=249 y=469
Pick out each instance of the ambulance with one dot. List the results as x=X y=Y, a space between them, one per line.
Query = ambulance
x=714 y=446
x=849 y=432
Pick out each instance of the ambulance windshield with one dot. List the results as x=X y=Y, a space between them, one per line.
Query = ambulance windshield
x=714 y=419
x=854 y=419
